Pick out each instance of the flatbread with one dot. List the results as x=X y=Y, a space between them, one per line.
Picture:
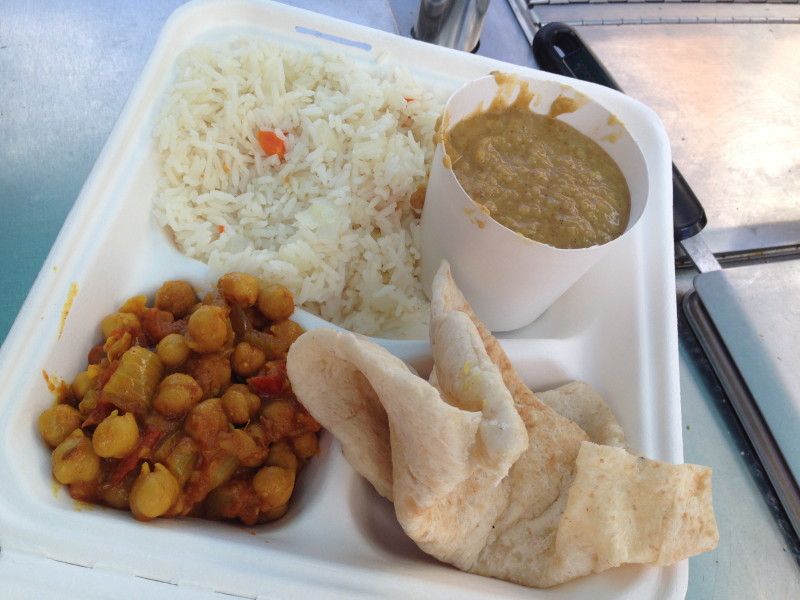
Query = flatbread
x=331 y=372
x=624 y=508
x=580 y=403
x=448 y=459
x=486 y=475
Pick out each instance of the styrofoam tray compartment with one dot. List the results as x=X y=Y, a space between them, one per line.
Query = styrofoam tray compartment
x=615 y=329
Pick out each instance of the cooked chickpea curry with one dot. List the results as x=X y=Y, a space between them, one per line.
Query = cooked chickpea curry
x=185 y=409
x=537 y=175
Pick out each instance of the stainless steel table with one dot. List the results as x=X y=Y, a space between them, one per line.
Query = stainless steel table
x=66 y=67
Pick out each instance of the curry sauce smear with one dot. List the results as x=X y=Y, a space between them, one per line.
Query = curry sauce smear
x=536 y=174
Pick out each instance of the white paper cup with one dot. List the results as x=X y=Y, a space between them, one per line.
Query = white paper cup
x=508 y=279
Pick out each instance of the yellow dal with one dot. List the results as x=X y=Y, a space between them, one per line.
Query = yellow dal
x=539 y=176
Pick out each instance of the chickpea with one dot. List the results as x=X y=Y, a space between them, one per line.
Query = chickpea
x=273 y=486
x=225 y=502
x=177 y=394
x=181 y=506
x=206 y=421
x=57 y=422
x=173 y=349
x=157 y=324
x=279 y=415
x=116 y=436
x=281 y=455
x=136 y=305
x=117 y=496
x=74 y=460
x=272 y=514
x=153 y=493
x=240 y=404
x=256 y=431
x=207 y=329
x=83 y=490
x=287 y=331
x=305 y=445
x=244 y=448
x=176 y=297
x=247 y=359
x=84 y=381
x=276 y=302
x=215 y=298
x=239 y=288
x=120 y=321
x=417 y=199
x=96 y=355
x=211 y=371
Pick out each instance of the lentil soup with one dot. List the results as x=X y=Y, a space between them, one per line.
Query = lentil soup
x=538 y=175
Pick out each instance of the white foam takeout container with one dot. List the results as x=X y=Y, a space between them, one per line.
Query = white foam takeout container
x=615 y=328
x=510 y=280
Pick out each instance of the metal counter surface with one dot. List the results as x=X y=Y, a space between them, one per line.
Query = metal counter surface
x=66 y=69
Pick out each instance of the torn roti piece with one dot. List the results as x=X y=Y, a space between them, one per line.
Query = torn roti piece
x=449 y=454
x=484 y=474
x=579 y=402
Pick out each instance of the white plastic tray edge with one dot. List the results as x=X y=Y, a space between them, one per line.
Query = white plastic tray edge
x=40 y=320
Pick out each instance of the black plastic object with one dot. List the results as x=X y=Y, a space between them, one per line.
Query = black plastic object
x=559 y=49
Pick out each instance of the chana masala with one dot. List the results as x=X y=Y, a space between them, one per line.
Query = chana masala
x=185 y=409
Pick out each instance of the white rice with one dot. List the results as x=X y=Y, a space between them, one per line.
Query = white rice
x=332 y=221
